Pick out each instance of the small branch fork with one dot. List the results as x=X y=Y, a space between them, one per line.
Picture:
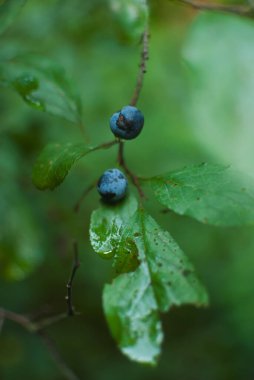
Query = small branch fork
x=241 y=10
x=38 y=327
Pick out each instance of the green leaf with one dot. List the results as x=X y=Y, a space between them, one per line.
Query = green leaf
x=210 y=193
x=131 y=311
x=9 y=9
x=43 y=85
x=161 y=277
x=219 y=55
x=54 y=163
x=107 y=225
x=25 y=85
x=132 y=15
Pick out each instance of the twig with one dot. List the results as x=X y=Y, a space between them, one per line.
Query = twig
x=242 y=10
x=132 y=176
x=142 y=68
x=17 y=318
x=76 y=264
x=87 y=190
x=1 y=324
x=37 y=328
x=55 y=354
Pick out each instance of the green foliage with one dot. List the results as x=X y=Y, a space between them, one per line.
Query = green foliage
x=219 y=56
x=164 y=277
x=151 y=274
x=42 y=84
x=54 y=163
x=20 y=242
x=8 y=12
x=209 y=193
x=20 y=256
x=132 y=15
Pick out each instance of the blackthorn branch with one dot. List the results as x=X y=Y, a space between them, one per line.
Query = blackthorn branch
x=241 y=10
x=142 y=68
x=38 y=327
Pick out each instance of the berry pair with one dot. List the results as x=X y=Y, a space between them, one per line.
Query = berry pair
x=126 y=124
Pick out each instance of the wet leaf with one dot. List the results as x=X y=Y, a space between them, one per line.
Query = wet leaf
x=161 y=277
x=107 y=224
x=43 y=85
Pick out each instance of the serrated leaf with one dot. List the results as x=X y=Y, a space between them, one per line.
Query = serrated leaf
x=132 y=15
x=9 y=9
x=132 y=315
x=54 y=163
x=210 y=193
x=162 y=277
x=43 y=85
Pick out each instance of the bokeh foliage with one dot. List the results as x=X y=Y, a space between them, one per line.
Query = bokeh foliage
x=184 y=125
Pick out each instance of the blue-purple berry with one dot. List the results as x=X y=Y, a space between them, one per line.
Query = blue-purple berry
x=127 y=123
x=112 y=185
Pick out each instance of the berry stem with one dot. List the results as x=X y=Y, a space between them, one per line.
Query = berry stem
x=132 y=176
x=142 y=68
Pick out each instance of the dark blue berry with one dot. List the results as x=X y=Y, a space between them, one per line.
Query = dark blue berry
x=127 y=123
x=112 y=185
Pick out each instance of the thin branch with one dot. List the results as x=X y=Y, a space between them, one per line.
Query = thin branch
x=242 y=10
x=36 y=328
x=133 y=177
x=87 y=190
x=27 y=323
x=104 y=145
x=1 y=324
x=142 y=68
x=55 y=354
x=17 y=318
x=76 y=264
x=45 y=322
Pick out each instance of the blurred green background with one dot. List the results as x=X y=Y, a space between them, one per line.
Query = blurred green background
x=198 y=105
